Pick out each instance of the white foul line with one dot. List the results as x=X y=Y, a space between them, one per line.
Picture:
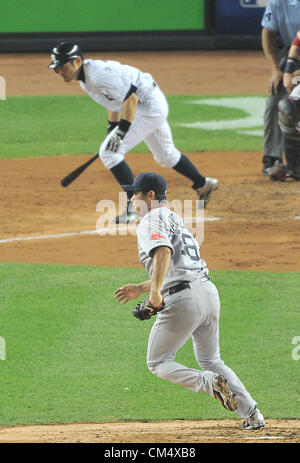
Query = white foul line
x=89 y=232
x=103 y=231
x=47 y=237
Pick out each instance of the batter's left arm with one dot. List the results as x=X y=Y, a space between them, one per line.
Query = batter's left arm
x=130 y=107
x=113 y=120
x=128 y=115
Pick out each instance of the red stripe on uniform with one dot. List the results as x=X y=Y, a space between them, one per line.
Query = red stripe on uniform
x=296 y=42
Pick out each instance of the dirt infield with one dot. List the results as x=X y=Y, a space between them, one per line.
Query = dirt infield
x=210 y=431
x=251 y=222
x=252 y=216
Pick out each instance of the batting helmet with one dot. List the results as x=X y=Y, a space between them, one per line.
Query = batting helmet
x=64 y=52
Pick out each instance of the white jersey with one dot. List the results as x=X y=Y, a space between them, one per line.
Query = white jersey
x=162 y=227
x=108 y=82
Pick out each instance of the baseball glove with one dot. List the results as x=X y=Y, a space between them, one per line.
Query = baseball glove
x=145 y=310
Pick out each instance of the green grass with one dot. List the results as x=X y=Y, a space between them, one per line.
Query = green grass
x=33 y=126
x=74 y=355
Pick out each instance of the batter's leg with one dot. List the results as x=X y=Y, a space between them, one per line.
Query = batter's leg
x=160 y=143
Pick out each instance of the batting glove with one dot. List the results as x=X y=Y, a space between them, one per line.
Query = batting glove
x=114 y=143
x=111 y=125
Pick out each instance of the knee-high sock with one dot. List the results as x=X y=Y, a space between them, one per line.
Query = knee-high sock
x=123 y=174
x=185 y=167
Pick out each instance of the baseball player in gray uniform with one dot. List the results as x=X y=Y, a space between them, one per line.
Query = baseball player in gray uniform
x=185 y=300
x=137 y=111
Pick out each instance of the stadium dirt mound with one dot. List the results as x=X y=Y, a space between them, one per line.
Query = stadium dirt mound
x=207 y=431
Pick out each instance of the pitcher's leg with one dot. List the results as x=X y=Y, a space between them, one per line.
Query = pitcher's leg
x=171 y=330
x=207 y=350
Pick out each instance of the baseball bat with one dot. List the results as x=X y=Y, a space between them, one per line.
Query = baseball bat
x=75 y=173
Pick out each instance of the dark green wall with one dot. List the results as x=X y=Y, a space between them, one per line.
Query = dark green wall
x=27 y=16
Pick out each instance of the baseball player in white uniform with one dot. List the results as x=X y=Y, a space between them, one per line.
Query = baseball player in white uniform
x=185 y=300
x=137 y=111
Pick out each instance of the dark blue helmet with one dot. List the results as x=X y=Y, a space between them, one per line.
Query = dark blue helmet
x=64 y=52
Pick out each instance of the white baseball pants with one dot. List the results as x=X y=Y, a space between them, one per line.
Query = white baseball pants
x=193 y=313
x=150 y=125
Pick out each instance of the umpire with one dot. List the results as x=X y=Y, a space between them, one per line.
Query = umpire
x=280 y=25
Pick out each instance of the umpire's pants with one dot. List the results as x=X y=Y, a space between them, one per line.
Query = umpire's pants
x=273 y=144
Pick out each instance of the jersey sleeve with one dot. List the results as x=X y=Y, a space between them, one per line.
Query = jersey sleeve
x=270 y=20
x=152 y=233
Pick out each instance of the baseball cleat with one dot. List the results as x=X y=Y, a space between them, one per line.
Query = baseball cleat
x=279 y=172
x=128 y=216
x=205 y=192
x=223 y=394
x=268 y=162
x=266 y=171
x=256 y=421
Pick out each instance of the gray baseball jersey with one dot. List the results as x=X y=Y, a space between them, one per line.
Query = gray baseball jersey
x=162 y=227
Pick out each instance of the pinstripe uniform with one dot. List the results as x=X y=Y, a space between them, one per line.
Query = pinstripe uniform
x=133 y=95
x=107 y=83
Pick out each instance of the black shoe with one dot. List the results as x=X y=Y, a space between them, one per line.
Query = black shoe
x=204 y=193
x=128 y=216
x=279 y=172
x=268 y=161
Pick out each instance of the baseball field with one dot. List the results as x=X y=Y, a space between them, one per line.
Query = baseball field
x=72 y=360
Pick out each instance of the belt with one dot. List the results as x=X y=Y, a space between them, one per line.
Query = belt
x=179 y=287
x=184 y=285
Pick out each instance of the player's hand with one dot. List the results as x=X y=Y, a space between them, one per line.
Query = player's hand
x=275 y=82
x=127 y=293
x=115 y=141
